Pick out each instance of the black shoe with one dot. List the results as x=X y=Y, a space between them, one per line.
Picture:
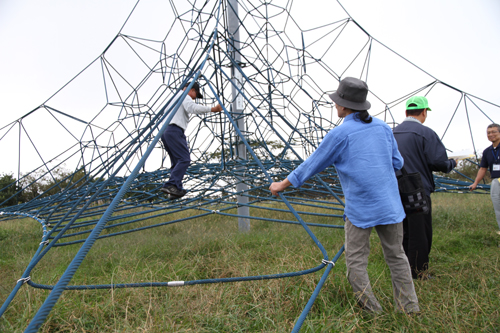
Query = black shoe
x=178 y=195
x=164 y=190
x=174 y=192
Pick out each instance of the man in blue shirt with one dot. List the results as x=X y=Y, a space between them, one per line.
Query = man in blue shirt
x=366 y=156
x=424 y=153
x=491 y=161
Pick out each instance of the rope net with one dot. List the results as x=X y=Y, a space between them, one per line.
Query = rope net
x=272 y=73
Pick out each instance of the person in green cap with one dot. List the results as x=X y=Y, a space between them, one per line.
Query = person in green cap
x=423 y=152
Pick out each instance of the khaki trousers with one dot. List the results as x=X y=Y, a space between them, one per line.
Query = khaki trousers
x=357 y=248
x=495 y=198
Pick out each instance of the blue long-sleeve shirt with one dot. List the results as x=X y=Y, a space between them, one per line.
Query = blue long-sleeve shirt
x=366 y=157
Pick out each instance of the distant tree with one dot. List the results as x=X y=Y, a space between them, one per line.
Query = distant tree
x=468 y=167
x=40 y=183
x=8 y=188
x=263 y=150
x=30 y=184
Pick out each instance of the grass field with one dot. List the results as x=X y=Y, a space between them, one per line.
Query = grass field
x=465 y=296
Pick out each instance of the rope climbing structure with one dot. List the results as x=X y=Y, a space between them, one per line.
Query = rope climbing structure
x=270 y=69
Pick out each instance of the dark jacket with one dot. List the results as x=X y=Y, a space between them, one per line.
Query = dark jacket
x=422 y=151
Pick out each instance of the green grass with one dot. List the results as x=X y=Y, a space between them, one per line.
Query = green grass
x=465 y=296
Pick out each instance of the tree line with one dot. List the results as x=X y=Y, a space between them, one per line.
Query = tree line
x=35 y=184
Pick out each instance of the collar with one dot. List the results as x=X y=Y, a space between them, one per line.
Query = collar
x=349 y=117
x=413 y=120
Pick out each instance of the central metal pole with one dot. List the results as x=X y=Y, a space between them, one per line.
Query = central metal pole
x=238 y=110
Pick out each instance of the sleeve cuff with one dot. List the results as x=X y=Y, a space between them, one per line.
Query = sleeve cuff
x=292 y=179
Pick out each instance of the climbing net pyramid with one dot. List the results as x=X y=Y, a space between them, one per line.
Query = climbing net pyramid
x=271 y=68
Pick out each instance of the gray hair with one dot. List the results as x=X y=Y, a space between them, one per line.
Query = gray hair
x=494 y=125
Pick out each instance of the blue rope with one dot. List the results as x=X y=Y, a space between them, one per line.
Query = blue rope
x=25 y=276
x=90 y=202
x=182 y=283
x=49 y=303
x=315 y=294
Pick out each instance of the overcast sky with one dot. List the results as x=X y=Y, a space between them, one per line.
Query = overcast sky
x=45 y=43
x=456 y=41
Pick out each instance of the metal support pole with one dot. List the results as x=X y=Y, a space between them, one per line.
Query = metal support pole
x=238 y=110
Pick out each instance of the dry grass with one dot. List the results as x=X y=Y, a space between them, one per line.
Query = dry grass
x=464 y=298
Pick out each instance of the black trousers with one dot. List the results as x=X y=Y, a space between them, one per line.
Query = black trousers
x=417 y=240
x=175 y=144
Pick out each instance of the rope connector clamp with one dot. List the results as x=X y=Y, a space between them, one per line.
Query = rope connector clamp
x=326 y=262
x=24 y=280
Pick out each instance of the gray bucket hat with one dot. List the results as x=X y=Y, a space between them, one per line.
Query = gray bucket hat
x=351 y=94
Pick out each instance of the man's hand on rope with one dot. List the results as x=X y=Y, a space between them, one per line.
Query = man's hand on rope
x=279 y=186
x=216 y=108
